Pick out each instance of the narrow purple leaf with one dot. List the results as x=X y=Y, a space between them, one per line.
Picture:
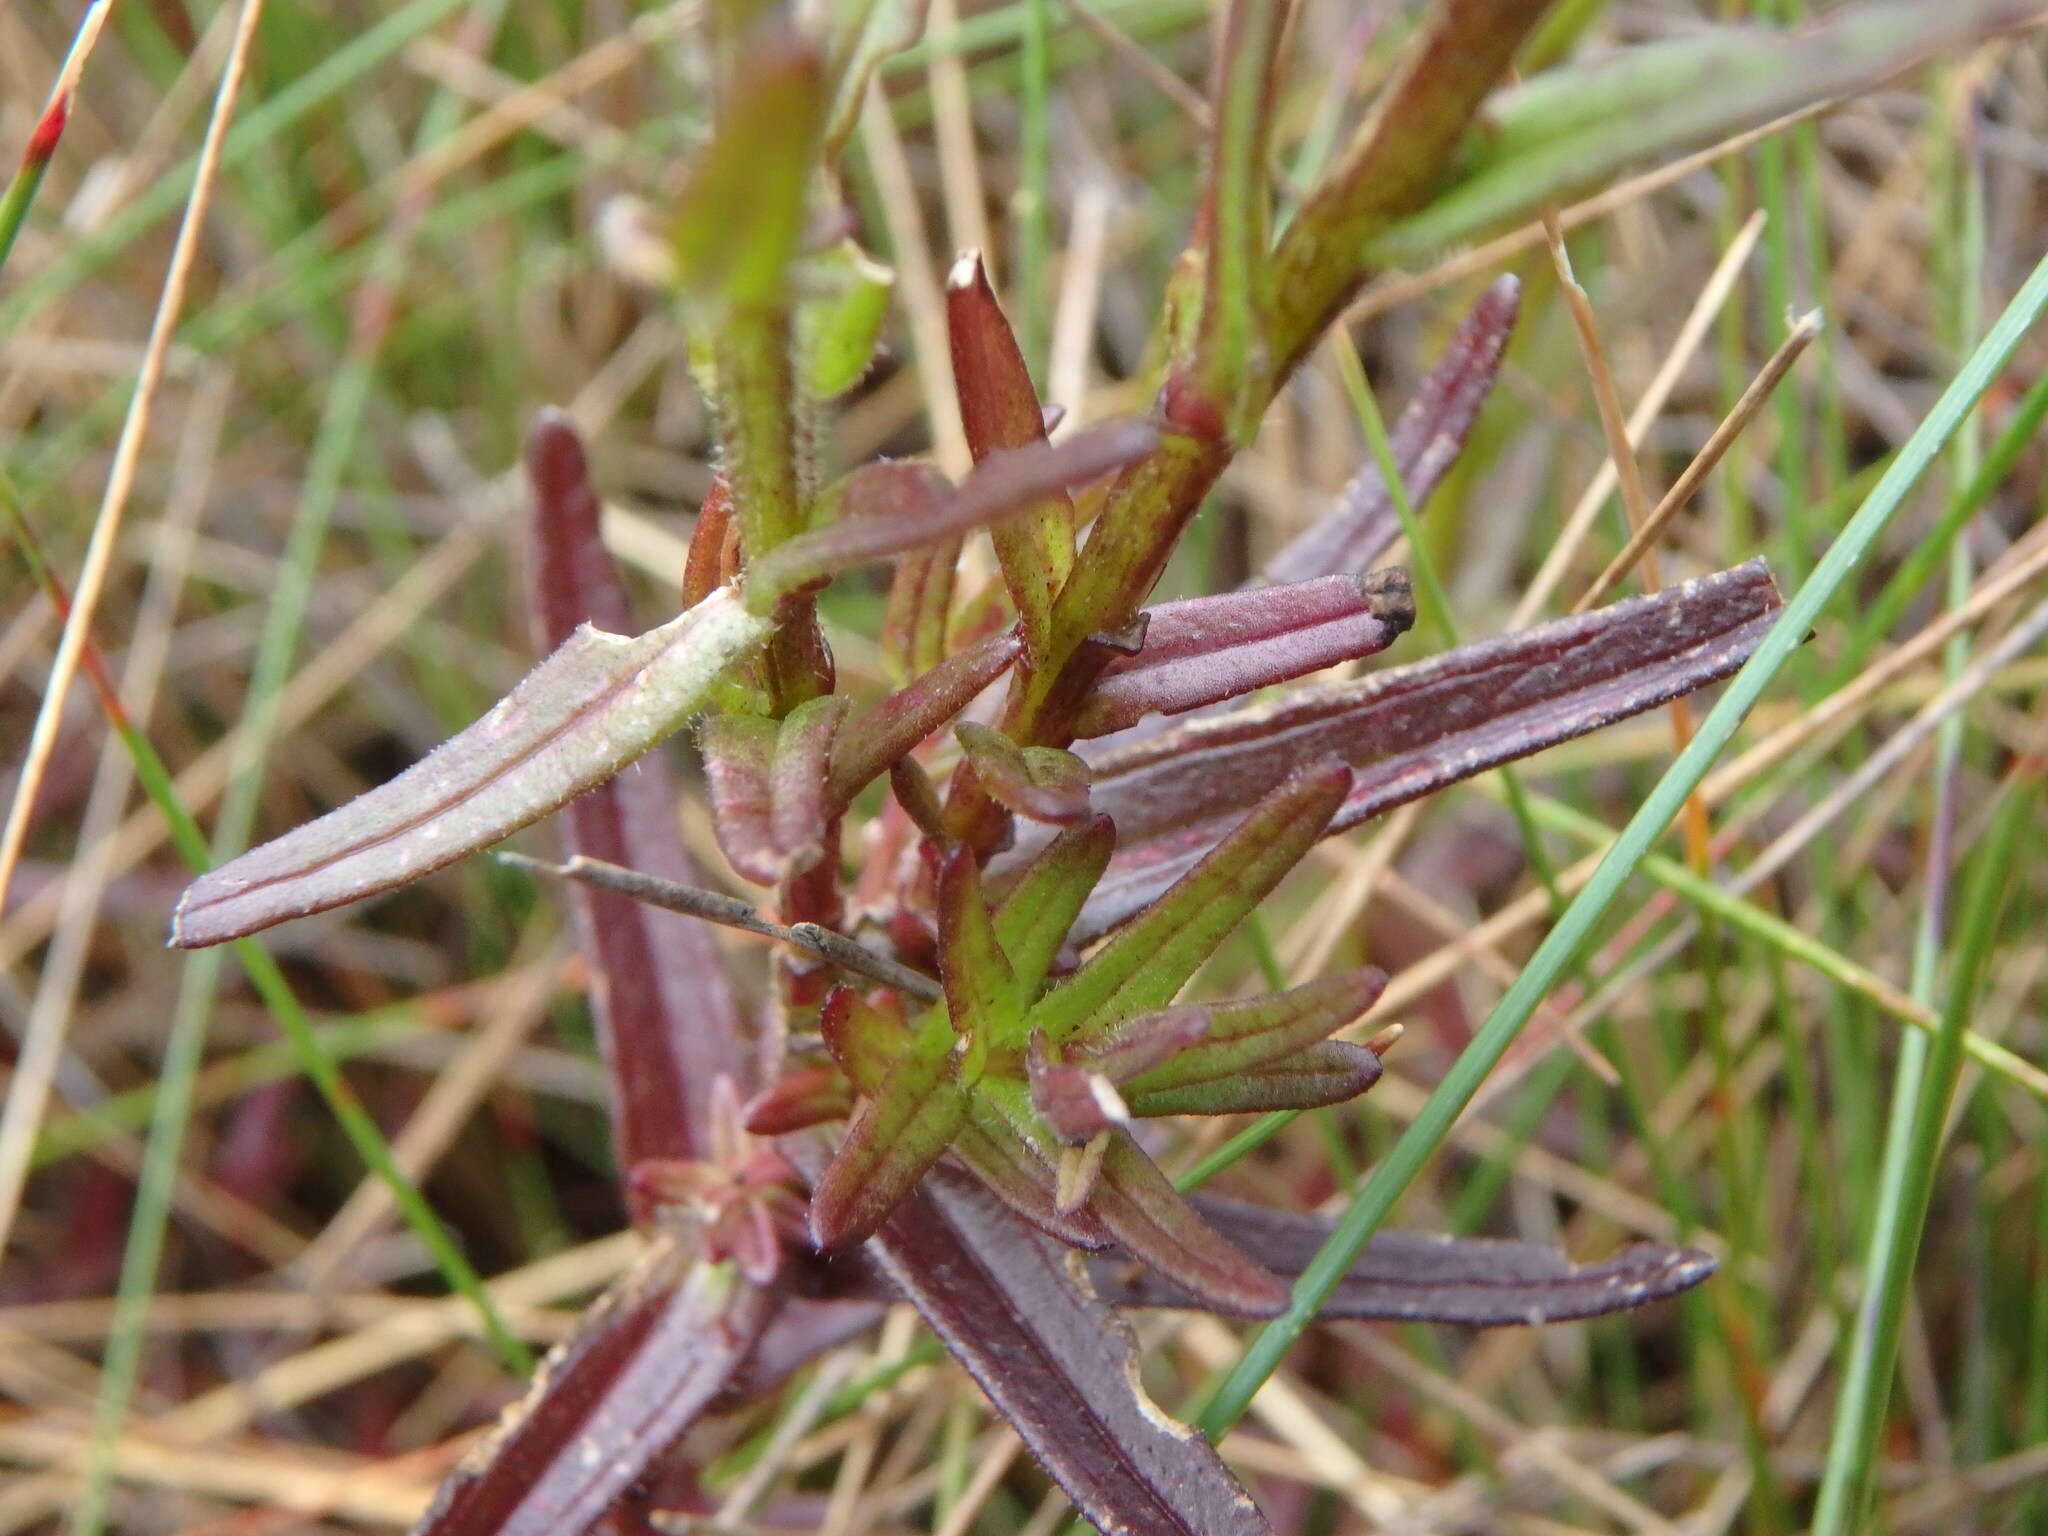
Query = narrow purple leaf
x=917 y=797
x=1209 y=649
x=1328 y=1072
x=1401 y=1276
x=1154 y=1223
x=799 y=816
x=656 y=1351
x=1150 y=960
x=1423 y=1277
x=579 y=717
x=1261 y=1031
x=1042 y=783
x=1410 y=731
x=704 y=566
x=1201 y=626
x=880 y=517
x=667 y=1022
x=1426 y=440
x=739 y=759
x=1058 y=1365
x=872 y=742
x=898 y=1134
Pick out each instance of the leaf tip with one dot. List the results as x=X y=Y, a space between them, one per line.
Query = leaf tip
x=1389 y=596
x=967 y=271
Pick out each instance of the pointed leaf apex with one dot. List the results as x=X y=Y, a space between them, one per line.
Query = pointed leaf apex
x=967 y=271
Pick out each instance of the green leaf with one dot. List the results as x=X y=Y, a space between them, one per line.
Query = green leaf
x=1152 y=956
x=1257 y=1033
x=903 y=1128
x=839 y=321
x=1034 y=915
x=742 y=213
x=1328 y=1072
x=1148 y=1216
x=1019 y=1174
x=981 y=991
x=864 y=1037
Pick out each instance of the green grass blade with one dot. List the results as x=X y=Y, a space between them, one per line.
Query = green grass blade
x=1924 y=1104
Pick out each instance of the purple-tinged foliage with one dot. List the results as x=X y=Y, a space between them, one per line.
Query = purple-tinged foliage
x=1058 y=1365
x=915 y=617
x=798 y=1101
x=1242 y=1037
x=799 y=811
x=876 y=739
x=1423 y=1277
x=1024 y=1178
x=883 y=514
x=596 y=704
x=666 y=1017
x=739 y=759
x=1410 y=731
x=987 y=1084
x=999 y=411
x=1155 y=1224
x=661 y=1347
x=902 y=1128
x=771 y=805
x=1038 y=783
x=1328 y=1072
x=1426 y=441
x=714 y=548
x=1138 y=1045
x=1206 y=650
x=1076 y=1103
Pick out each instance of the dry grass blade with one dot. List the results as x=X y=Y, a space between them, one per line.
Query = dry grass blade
x=29 y=1090
x=1644 y=535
